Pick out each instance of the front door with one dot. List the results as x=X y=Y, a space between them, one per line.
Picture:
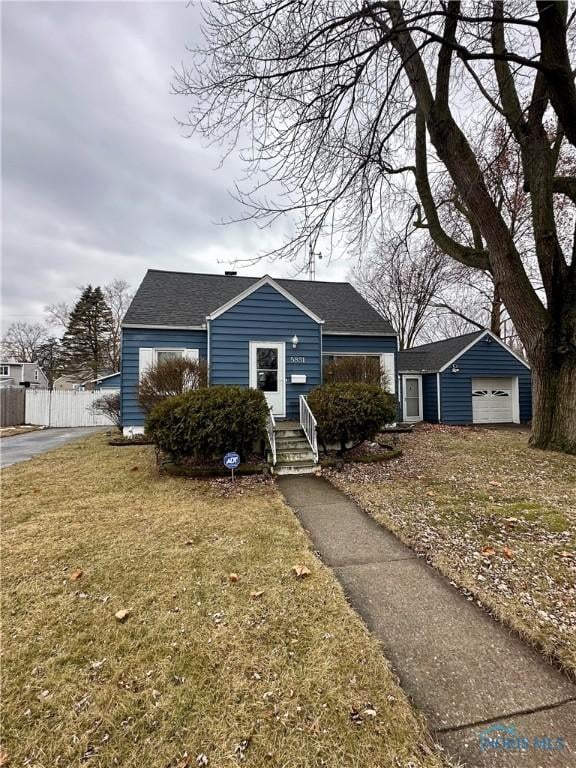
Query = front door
x=412 y=398
x=267 y=363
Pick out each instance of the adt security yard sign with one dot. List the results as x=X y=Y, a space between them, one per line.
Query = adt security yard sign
x=231 y=461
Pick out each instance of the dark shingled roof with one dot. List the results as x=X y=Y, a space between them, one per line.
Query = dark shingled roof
x=431 y=357
x=185 y=299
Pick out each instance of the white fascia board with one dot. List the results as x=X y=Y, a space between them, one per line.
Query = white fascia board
x=472 y=343
x=422 y=371
x=266 y=280
x=100 y=378
x=359 y=333
x=137 y=326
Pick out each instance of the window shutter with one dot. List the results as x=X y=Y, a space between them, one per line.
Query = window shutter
x=387 y=365
x=146 y=360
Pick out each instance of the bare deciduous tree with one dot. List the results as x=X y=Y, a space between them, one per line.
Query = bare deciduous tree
x=118 y=296
x=336 y=95
x=401 y=278
x=23 y=340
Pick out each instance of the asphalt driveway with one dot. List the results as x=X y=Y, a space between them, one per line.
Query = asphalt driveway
x=24 y=447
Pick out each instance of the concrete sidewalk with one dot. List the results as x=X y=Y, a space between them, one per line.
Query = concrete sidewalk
x=461 y=668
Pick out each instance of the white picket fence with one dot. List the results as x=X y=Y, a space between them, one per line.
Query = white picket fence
x=63 y=408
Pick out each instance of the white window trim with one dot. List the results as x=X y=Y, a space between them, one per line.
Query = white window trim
x=381 y=355
x=412 y=419
x=7 y=367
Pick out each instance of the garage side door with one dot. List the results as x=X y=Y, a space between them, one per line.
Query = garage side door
x=492 y=400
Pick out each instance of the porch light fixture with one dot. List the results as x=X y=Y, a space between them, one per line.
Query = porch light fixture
x=295 y=341
x=455 y=368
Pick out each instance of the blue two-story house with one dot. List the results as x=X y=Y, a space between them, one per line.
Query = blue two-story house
x=274 y=335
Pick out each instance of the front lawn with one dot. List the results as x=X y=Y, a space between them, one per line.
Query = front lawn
x=225 y=656
x=496 y=517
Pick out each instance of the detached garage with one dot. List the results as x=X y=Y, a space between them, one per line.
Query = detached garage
x=470 y=379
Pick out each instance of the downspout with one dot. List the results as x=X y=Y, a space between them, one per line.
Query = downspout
x=209 y=372
x=321 y=356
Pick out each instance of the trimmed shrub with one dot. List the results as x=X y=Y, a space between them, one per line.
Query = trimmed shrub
x=108 y=405
x=350 y=412
x=169 y=378
x=207 y=423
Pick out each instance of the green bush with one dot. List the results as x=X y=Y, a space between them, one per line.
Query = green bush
x=350 y=412
x=207 y=423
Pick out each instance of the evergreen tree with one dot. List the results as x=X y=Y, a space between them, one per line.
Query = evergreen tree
x=86 y=340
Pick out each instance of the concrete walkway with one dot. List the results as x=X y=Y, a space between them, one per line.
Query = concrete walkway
x=24 y=447
x=461 y=668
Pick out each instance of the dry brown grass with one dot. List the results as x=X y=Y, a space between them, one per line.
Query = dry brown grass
x=13 y=431
x=495 y=516
x=199 y=667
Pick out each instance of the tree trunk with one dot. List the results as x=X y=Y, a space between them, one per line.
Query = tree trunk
x=554 y=403
x=496 y=314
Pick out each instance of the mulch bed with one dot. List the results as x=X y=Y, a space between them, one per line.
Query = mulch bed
x=383 y=448
x=196 y=467
x=121 y=441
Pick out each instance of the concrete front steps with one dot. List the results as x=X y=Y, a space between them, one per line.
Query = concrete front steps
x=293 y=452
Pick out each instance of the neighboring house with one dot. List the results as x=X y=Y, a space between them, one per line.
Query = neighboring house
x=13 y=373
x=109 y=382
x=470 y=379
x=274 y=335
x=66 y=382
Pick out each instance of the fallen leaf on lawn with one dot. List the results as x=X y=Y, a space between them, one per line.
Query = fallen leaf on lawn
x=301 y=571
x=134 y=469
x=233 y=577
x=184 y=762
x=495 y=483
x=429 y=493
x=369 y=712
x=489 y=551
x=201 y=760
x=75 y=575
x=256 y=593
x=122 y=614
x=507 y=552
x=565 y=554
x=4 y=759
x=315 y=726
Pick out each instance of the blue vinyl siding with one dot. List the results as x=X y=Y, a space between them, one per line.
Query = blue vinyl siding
x=359 y=344
x=485 y=358
x=265 y=315
x=112 y=382
x=132 y=340
x=430 y=397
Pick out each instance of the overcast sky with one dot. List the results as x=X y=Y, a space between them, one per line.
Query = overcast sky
x=98 y=179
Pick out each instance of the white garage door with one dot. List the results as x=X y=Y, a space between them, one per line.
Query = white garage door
x=492 y=400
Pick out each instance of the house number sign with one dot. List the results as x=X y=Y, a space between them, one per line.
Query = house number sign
x=297 y=359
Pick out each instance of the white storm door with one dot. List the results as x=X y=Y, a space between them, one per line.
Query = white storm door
x=267 y=373
x=412 y=398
